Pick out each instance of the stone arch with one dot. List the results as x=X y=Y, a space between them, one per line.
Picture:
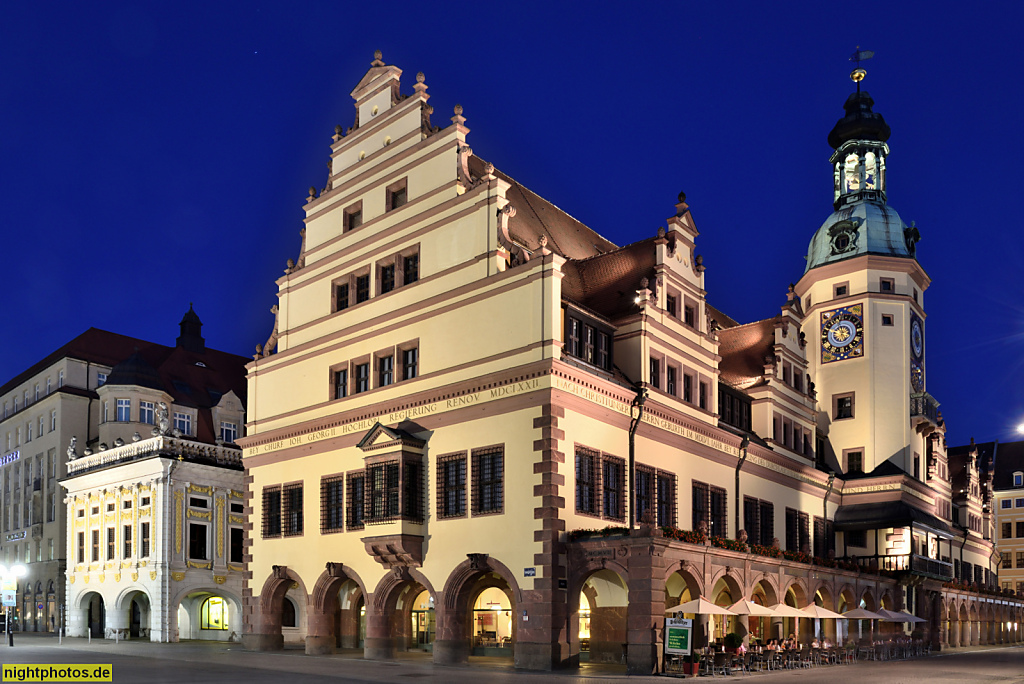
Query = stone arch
x=454 y=612
x=326 y=619
x=91 y=609
x=386 y=629
x=267 y=634
x=679 y=577
x=867 y=596
x=974 y=621
x=600 y=632
x=185 y=615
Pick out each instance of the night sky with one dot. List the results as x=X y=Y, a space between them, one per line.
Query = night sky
x=153 y=155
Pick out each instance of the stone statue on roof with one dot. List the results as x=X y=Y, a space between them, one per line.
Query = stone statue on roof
x=72 y=454
x=163 y=423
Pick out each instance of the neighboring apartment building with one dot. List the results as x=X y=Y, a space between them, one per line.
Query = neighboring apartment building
x=1003 y=483
x=464 y=381
x=91 y=395
x=156 y=500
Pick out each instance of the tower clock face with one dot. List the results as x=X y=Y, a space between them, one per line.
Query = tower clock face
x=842 y=333
x=916 y=338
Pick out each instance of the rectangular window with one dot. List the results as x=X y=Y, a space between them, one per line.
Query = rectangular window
x=573 y=336
x=356 y=500
x=124 y=410
x=197 y=537
x=384 y=483
x=397 y=195
x=1019 y=503
x=1020 y=529
x=886 y=285
x=655 y=373
x=766 y=516
x=271 y=512
x=332 y=505
x=689 y=315
x=127 y=537
x=198 y=502
x=451 y=486
x=353 y=217
x=488 y=480
x=687 y=388
x=702 y=395
x=1020 y=559
x=854 y=462
x=81 y=547
x=751 y=519
x=1006 y=503
x=603 y=350
x=362 y=377
x=798 y=532
x=1007 y=530
x=106 y=411
x=410 y=269
x=410 y=363
x=362 y=288
x=144 y=540
x=666 y=513
x=887 y=320
x=53 y=418
x=643 y=493
x=385 y=371
x=670 y=380
x=587 y=463
x=228 y=432
x=671 y=306
x=840 y=290
x=1018 y=479
x=237 y=546
x=147 y=412
x=1007 y=558
x=613 y=487
x=857 y=538
x=183 y=423
x=340 y=382
x=699 y=498
x=101 y=379
x=842 y=406
x=387 y=278
x=341 y=297
x=292 y=510
x=95 y=546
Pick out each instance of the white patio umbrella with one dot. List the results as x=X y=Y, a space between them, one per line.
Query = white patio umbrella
x=897 y=616
x=819 y=613
x=784 y=610
x=861 y=614
x=746 y=607
x=700 y=606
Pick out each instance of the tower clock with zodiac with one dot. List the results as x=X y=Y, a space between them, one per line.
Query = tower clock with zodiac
x=916 y=353
x=842 y=333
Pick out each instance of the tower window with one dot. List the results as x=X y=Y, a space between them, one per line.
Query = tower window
x=842 y=406
x=840 y=290
x=887 y=319
x=886 y=285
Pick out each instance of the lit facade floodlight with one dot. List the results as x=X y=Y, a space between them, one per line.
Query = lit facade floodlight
x=19 y=570
x=1020 y=428
x=3 y=570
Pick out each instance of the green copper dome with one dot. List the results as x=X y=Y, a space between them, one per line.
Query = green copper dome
x=860 y=228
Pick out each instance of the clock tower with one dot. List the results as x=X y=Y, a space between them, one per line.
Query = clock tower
x=862 y=296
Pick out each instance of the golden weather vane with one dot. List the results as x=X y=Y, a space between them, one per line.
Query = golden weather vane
x=858 y=74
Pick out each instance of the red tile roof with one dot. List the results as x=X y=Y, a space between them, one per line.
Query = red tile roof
x=743 y=349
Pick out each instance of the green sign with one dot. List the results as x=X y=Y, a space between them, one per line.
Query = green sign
x=677 y=636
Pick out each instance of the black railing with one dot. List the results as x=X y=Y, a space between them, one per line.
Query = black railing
x=924 y=405
x=907 y=562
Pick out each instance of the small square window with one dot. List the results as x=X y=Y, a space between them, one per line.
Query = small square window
x=855 y=462
x=840 y=290
x=886 y=285
x=111 y=507
x=1019 y=503
x=144 y=501
x=127 y=503
x=1007 y=503
x=842 y=406
x=887 y=319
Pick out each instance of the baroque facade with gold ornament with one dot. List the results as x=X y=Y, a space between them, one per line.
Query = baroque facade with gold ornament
x=480 y=428
x=155 y=520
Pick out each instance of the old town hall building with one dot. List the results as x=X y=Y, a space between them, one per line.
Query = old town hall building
x=481 y=428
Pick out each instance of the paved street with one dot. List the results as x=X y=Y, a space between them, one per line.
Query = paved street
x=206 y=662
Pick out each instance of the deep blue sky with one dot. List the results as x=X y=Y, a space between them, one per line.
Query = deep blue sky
x=157 y=154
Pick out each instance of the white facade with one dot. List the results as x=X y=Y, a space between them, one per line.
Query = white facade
x=156 y=541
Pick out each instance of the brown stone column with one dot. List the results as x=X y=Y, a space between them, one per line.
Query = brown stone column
x=319 y=633
x=542 y=637
x=380 y=639
x=452 y=643
x=348 y=628
x=935 y=621
x=646 y=620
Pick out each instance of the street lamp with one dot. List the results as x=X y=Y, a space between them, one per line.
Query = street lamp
x=9 y=588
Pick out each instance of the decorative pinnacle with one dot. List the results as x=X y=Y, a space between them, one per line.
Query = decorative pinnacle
x=458 y=110
x=682 y=197
x=420 y=78
x=377 y=54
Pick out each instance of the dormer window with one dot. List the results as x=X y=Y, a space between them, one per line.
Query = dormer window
x=585 y=340
x=1018 y=479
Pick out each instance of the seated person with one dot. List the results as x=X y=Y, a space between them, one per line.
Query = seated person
x=815 y=643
